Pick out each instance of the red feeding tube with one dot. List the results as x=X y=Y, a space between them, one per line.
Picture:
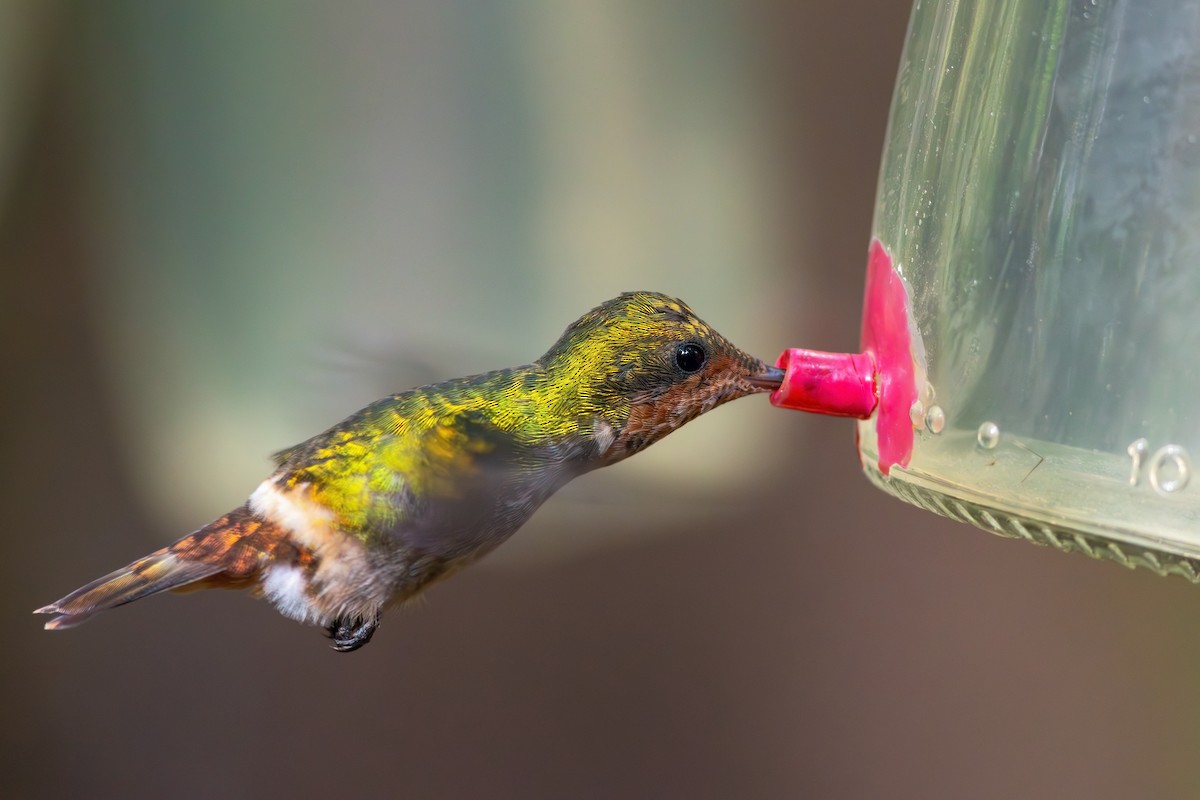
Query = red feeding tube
x=838 y=384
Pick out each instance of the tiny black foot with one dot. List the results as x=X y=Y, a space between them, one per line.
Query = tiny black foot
x=350 y=634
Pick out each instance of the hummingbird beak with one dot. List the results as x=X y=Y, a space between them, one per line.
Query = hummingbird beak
x=770 y=379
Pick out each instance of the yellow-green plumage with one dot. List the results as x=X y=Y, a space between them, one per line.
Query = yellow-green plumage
x=421 y=483
x=420 y=442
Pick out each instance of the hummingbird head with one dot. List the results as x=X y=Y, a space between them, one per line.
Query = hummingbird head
x=643 y=364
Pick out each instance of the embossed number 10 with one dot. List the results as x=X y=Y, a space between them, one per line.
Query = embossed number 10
x=1169 y=470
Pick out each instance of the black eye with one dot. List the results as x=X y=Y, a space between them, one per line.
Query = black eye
x=689 y=357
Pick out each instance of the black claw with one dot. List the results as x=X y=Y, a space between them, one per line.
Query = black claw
x=349 y=635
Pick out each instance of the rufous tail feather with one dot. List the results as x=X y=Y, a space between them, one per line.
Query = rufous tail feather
x=230 y=551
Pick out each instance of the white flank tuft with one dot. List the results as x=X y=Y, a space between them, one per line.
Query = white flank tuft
x=286 y=586
x=307 y=522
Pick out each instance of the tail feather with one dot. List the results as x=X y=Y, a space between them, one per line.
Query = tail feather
x=157 y=572
x=229 y=551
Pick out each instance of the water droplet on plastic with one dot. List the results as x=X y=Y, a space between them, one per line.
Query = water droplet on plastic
x=935 y=419
x=988 y=435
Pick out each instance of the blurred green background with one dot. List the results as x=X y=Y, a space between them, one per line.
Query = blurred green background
x=224 y=226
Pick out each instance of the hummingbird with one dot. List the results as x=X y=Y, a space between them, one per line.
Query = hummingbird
x=420 y=484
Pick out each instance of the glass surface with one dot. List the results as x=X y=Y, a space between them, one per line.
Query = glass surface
x=1039 y=192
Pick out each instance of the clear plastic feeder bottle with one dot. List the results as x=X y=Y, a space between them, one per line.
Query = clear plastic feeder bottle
x=1040 y=198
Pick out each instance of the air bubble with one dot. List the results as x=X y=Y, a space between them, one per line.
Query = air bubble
x=916 y=413
x=935 y=419
x=988 y=435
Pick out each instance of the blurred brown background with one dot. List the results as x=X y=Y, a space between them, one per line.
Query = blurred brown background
x=222 y=229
